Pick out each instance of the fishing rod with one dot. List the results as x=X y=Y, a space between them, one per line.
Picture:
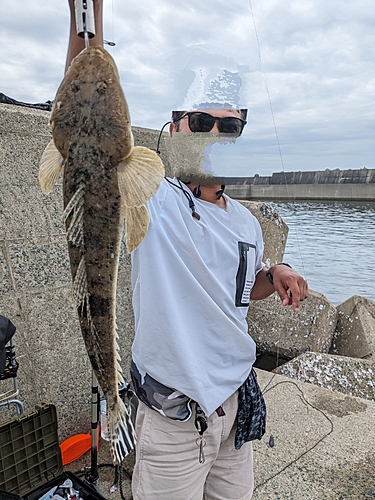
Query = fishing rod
x=85 y=24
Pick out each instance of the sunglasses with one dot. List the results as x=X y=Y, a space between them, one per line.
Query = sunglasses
x=204 y=122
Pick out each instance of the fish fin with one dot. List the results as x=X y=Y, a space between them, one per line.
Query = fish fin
x=80 y=288
x=81 y=295
x=121 y=432
x=118 y=357
x=50 y=166
x=139 y=176
x=136 y=225
x=121 y=380
x=75 y=209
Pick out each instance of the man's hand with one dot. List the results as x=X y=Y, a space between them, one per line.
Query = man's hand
x=290 y=286
x=76 y=43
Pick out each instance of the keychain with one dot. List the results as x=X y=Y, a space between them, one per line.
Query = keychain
x=201 y=425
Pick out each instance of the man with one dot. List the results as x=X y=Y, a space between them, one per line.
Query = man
x=193 y=277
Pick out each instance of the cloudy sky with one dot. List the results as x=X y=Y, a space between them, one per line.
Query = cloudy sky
x=305 y=69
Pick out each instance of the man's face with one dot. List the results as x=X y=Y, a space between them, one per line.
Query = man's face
x=202 y=130
x=183 y=124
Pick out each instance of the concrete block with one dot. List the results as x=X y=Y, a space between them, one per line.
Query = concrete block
x=41 y=263
x=351 y=376
x=274 y=229
x=355 y=330
x=278 y=330
x=53 y=364
x=323 y=443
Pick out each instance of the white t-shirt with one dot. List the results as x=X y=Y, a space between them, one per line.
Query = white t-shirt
x=191 y=289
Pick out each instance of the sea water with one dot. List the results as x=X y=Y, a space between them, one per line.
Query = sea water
x=332 y=244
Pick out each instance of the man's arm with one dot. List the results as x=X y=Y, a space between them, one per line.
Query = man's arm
x=290 y=286
x=76 y=43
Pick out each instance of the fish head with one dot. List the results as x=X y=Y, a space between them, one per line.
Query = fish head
x=90 y=106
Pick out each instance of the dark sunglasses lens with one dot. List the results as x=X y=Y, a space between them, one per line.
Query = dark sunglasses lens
x=230 y=125
x=201 y=122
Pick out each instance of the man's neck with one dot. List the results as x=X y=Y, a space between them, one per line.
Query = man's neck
x=209 y=193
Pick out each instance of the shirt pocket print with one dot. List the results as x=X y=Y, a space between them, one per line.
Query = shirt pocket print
x=245 y=274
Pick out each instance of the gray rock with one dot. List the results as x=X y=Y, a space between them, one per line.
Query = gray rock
x=274 y=230
x=278 y=330
x=355 y=330
x=351 y=376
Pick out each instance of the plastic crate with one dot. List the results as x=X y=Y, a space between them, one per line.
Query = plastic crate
x=29 y=452
x=8 y=496
x=86 y=491
x=30 y=458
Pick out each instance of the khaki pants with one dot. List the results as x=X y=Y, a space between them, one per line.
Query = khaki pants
x=167 y=466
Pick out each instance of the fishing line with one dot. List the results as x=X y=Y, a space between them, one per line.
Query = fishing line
x=278 y=146
x=268 y=386
x=277 y=139
x=111 y=43
x=275 y=128
x=113 y=27
x=304 y=400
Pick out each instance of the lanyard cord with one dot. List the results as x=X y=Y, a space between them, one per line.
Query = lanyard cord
x=187 y=195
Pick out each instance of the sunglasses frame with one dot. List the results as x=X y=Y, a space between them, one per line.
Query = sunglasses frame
x=215 y=118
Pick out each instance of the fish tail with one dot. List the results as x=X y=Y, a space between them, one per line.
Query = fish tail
x=121 y=432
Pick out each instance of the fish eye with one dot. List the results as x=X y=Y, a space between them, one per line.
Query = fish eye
x=101 y=87
x=75 y=86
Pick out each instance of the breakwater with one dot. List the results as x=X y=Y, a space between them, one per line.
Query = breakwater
x=319 y=185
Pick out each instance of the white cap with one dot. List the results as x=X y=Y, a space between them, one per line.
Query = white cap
x=210 y=81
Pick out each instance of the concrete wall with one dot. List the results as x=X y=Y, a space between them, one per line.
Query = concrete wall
x=303 y=192
x=35 y=279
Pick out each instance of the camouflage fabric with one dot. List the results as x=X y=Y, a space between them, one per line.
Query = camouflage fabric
x=169 y=402
x=251 y=415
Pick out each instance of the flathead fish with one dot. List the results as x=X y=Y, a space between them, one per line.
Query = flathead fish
x=106 y=180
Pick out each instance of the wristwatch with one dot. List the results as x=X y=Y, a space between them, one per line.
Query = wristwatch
x=269 y=272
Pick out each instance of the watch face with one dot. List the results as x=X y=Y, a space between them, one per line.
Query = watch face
x=269 y=276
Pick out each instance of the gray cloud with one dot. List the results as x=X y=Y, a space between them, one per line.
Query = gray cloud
x=317 y=64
